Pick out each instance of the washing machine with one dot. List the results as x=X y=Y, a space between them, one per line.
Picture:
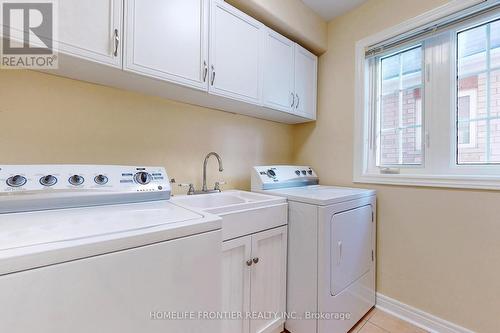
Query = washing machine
x=103 y=249
x=331 y=249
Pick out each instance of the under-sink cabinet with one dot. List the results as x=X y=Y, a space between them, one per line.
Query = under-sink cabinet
x=254 y=281
x=254 y=257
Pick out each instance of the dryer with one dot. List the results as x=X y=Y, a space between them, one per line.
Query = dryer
x=331 y=249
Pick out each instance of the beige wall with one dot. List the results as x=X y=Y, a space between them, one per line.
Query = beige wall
x=291 y=18
x=48 y=119
x=438 y=249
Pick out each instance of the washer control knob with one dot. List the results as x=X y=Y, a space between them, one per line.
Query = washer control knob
x=76 y=180
x=142 y=178
x=304 y=172
x=271 y=173
x=101 y=179
x=297 y=172
x=16 y=181
x=48 y=180
x=310 y=172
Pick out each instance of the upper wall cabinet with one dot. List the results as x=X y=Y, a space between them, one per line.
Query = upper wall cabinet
x=290 y=75
x=168 y=40
x=279 y=68
x=202 y=52
x=306 y=77
x=236 y=47
x=91 y=29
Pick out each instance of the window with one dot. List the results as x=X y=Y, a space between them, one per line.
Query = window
x=431 y=111
x=478 y=54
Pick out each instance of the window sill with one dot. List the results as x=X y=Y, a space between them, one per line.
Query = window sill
x=446 y=181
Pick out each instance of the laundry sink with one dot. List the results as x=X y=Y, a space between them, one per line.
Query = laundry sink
x=210 y=201
x=242 y=212
x=226 y=201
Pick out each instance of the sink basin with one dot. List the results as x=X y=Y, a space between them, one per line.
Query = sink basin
x=210 y=200
x=243 y=213
x=227 y=201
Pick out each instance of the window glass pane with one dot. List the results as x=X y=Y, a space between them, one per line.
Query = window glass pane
x=495 y=44
x=411 y=145
x=495 y=141
x=411 y=71
x=495 y=94
x=473 y=152
x=472 y=50
x=390 y=111
x=494 y=106
x=391 y=67
x=478 y=100
x=400 y=110
x=389 y=144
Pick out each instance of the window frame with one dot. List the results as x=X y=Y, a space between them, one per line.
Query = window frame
x=442 y=174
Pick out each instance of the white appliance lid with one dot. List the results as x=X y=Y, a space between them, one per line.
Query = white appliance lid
x=43 y=227
x=320 y=194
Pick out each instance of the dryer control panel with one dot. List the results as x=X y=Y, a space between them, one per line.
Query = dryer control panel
x=282 y=176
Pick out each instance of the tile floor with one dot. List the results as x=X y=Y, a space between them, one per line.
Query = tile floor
x=377 y=321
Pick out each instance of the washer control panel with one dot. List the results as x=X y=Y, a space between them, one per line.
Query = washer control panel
x=61 y=186
x=281 y=176
x=64 y=177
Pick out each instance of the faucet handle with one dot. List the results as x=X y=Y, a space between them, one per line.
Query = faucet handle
x=218 y=184
x=191 y=188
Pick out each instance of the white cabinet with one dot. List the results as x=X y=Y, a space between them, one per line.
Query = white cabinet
x=254 y=280
x=91 y=29
x=202 y=52
x=279 y=68
x=306 y=69
x=236 y=48
x=290 y=76
x=268 y=292
x=236 y=283
x=168 y=40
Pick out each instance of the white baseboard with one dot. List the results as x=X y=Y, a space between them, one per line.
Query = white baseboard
x=417 y=317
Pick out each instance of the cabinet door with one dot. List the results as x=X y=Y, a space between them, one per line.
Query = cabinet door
x=278 y=91
x=236 y=283
x=306 y=72
x=168 y=40
x=268 y=292
x=91 y=29
x=236 y=42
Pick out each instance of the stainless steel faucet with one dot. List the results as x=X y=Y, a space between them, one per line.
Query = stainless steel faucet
x=219 y=159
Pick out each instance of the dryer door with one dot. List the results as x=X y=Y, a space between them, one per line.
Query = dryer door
x=351 y=247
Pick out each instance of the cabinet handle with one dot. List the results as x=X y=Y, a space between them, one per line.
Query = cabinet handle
x=205 y=73
x=213 y=75
x=298 y=101
x=249 y=262
x=293 y=100
x=117 y=43
x=256 y=260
